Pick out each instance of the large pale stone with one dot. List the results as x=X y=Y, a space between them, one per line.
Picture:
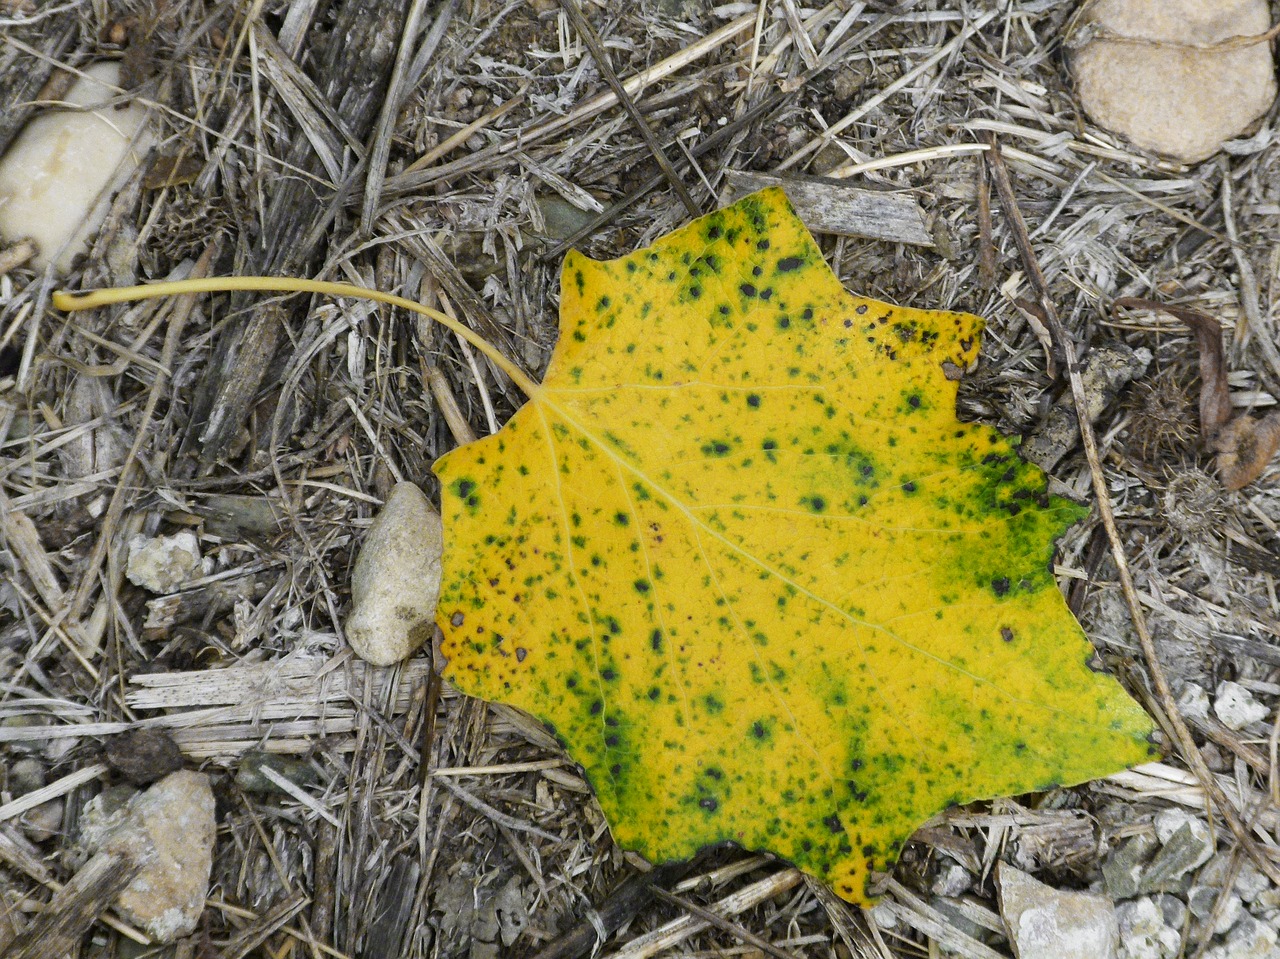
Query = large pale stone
x=1044 y=921
x=63 y=162
x=1163 y=73
x=396 y=579
x=170 y=827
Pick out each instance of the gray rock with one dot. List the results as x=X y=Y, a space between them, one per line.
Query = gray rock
x=249 y=776
x=1202 y=900
x=396 y=579
x=26 y=775
x=143 y=756
x=884 y=917
x=170 y=827
x=1145 y=933
x=1187 y=844
x=1251 y=882
x=1236 y=707
x=1248 y=939
x=1043 y=921
x=1150 y=71
x=1173 y=909
x=1123 y=870
x=560 y=217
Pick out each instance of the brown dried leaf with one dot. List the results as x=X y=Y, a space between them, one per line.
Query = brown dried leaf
x=1245 y=447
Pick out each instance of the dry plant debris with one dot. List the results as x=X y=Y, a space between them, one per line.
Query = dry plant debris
x=1244 y=444
x=272 y=429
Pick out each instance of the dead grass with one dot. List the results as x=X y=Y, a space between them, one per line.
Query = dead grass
x=438 y=825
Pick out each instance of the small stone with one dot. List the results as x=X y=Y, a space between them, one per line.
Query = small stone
x=1202 y=900
x=161 y=564
x=952 y=880
x=26 y=775
x=1123 y=869
x=174 y=821
x=1193 y=701
x=396 y=580
x=1043 y=921
x=1236 y=707
x=1187 y=844
x=1173 y=909
x=1248 y=939
x=53 y=175
x=1165 y=74
x=883 y=916
x=561 y=218
x=1251 y=882
x=43 y=822
x=1144 y=932
x=143 y=755
x=250 y=778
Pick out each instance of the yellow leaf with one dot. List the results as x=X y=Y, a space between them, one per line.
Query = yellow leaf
x=740 y=555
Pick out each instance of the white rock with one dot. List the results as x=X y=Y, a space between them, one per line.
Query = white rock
x=952 y=880
x=1043 y=921
x=1163 y=74
x=1193 y=701
x=174 y=821
x=52 y=176
x=396 y=579
x=163 y=563
x=1236 y=707
x=1143 y=931
x=883 y=916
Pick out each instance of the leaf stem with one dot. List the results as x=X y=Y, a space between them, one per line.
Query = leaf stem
x=71 y=302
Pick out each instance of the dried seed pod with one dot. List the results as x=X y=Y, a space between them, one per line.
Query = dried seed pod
x=1162 y=416
x=1192 y=503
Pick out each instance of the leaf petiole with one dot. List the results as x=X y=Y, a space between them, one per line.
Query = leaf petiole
x=70 y=302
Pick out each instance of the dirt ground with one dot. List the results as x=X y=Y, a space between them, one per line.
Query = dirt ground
x=422 y=823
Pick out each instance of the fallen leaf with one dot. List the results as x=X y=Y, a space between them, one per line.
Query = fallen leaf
x=1245 y=447
x=740 y=556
